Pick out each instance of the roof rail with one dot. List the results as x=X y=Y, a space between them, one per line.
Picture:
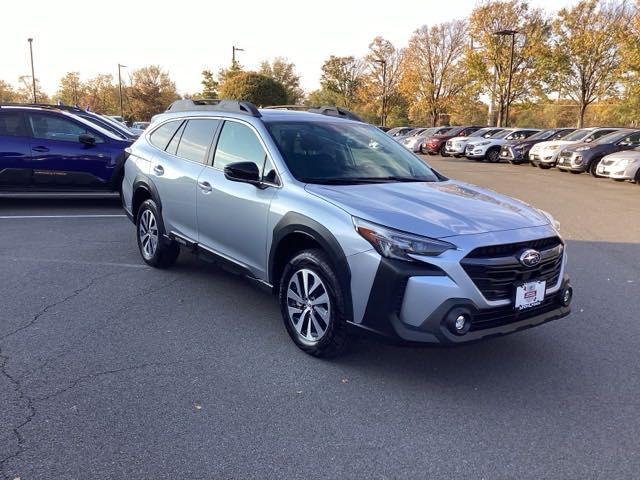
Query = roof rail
x=336 y=112
x=40 y=105
x=213 y=104
x=303 y=108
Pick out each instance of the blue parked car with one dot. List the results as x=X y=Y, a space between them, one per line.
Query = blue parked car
x=49 y=148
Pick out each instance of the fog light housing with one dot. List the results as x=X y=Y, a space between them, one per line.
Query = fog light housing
x=578 y=160
x=567 y=295
x=459 y=321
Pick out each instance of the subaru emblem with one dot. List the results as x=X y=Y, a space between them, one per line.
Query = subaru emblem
x=530 y=258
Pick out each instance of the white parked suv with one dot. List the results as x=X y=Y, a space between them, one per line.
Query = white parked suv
x=545 y=154
x=623 y=165
x=489 y=148
x=456 y=145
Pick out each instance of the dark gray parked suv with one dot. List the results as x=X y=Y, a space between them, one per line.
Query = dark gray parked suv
x=353 y=232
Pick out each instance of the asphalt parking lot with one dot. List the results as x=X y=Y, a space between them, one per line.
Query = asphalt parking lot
x=111 y=369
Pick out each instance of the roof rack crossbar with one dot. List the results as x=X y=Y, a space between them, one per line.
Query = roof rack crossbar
x=336 y=112
x=235 y=106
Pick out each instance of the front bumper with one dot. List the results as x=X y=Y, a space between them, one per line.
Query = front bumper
x=455 y=148
x=512 y=155
x=412 y=302
x=574 y=163
x=617 y=173
x=543 y=158
x=475 y=152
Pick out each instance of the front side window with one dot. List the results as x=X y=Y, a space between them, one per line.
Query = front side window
x=50 y=127
x=327 y=152
x=11 y=125
x=160 y=136
x=238 y=143
x=196 y=138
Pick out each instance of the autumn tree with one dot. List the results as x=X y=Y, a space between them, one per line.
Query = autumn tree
x=379 y=90
x=70 y=89
x=151 y=91
x=587 y=50
x=488 y=60
x=434 y=76
x=343 y=76
x=253 y=87
x=283 y=71
x=7 y=92
x=100 y=94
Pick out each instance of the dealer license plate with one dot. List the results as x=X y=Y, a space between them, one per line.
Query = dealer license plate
x=530 y=294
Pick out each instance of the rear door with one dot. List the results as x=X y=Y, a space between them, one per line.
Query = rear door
x=59 y=159
x=185 y=147
x=15 y=152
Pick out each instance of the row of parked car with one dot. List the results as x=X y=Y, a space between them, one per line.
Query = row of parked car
x=602 y=151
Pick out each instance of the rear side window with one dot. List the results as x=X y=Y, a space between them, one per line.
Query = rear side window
x=160 y=136
x=238 y=143
x=196 y=138
x=597 y=135
x=12 y=125
x=172 y=148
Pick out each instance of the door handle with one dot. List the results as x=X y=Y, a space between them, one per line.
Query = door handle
x=40 y=149
x=205 y=186
x=158 y=170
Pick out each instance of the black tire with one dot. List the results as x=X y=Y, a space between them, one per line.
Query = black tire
x=165 y=252
x=593 y=168
x=638 y=177
x=544 y=167
x=493 y=155
x=443 y=151
x=335 y=338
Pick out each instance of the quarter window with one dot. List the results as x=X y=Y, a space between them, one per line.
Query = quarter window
x=238 y=143
x=196 y=138
x=11 y=125
x=160 y=136
x=172 y=148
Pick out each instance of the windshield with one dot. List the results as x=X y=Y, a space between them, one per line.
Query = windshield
x=502 y=134
x=104 y=124
x=345 y=153
x=543 y=135
x=613 y=137
x=484 y=131
x=578 y=134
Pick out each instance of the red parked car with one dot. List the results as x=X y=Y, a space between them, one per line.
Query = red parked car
x=436 y=144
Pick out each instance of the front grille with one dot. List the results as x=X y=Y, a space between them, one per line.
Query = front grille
x=496 y=317
x=496 y=270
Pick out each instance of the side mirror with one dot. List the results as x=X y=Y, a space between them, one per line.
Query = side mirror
x=87 y=139
x=246 y=172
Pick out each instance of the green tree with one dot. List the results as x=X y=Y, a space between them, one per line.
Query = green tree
x=344 y=77
x=209 y=85
x=488 y=62
x=283 y=71
x=70 y=89
x=587 y=50
x=253 y=87
x=151 y=91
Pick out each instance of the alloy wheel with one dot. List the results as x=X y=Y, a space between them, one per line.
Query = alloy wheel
x=148 y=233
x=308 y=305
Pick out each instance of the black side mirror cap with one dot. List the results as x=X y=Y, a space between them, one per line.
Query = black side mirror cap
x=87 y=139
x=246 y=172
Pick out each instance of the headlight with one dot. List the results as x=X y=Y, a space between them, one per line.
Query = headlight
x=552 y=221
x=399 y=245
x=482 y=144
x=553 y=148
x=583 y=149
x=624 y=163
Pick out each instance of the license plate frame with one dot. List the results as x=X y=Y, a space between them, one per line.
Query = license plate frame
x=529 y=294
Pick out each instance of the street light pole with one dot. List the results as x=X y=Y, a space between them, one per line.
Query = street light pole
x=235 y=49
x=33 y=75
x=120 y=88
x=512 y=34
x=383 y=115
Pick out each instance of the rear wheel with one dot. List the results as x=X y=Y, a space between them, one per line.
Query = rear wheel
x=312 y=305
x=493 y=155
x=155 y=250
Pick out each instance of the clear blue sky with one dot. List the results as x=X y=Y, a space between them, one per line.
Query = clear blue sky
x=186 y=36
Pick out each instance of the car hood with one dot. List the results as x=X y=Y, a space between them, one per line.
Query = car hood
x=625 y=154
x=592 y=146
x=494 y=141
x=433 y=209
x=553 y=143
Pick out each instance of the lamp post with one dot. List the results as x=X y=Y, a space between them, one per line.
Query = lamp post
x=383 y=116
x=235 y=49
x=120 y=88
x=33 y=75
x=512 y=34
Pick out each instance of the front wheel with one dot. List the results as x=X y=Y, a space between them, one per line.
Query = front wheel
x=155 y=250
x=312 y=305
x=443 y=151
x=593 y=168
x=493 y=155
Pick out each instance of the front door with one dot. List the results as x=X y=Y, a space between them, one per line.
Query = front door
x=58 y=157
x=233 y=216
x=15 y=153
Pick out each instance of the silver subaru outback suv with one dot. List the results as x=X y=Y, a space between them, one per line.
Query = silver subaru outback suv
x=353 y=232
